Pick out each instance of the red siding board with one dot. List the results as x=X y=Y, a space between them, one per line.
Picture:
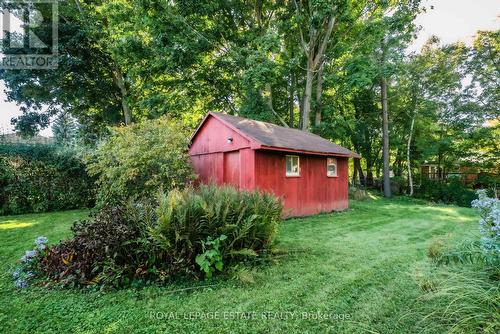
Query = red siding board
x=232 y=168
x=247 y=169
x=213 y=137
x=312 y=192
x=209 y=167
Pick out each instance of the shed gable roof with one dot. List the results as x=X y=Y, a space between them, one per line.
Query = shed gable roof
x=274 y=137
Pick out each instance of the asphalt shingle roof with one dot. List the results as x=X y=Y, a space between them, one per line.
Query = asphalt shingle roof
x=272 y=135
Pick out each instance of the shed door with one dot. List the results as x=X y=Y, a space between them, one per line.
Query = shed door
x=232 y=168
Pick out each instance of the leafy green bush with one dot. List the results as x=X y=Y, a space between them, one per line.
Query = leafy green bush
x=186 y=219
x=139 y=159
x=489 y=181
x=193 y=232
x=211 y=258
x=449 y=192
x=42 y=177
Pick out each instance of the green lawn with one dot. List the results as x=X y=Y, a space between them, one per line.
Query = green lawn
x=360 y=265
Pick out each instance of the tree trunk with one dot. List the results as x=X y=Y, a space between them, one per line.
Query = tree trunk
x=291 y=93
x=300 y=101
x=354 y=175
x=369 y=177
x=319 y=92
x=314 y=51
x=408 y=161
x=120 y=83
x=306 y=106
x=358 y=171
x=385 y=137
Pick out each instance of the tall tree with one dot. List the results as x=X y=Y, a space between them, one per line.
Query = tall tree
x=385 y=124
x=320 y=20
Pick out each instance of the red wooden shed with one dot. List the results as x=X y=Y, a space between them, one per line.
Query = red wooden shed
x=310 y=173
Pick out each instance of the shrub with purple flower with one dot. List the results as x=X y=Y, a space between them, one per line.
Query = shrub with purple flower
x=489 y=224
x=25 y=272
x=41 y=242
x=29 y=256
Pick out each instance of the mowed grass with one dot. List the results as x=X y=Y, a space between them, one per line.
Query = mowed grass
x=350 y=272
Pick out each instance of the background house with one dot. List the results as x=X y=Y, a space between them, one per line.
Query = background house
x=310 y=173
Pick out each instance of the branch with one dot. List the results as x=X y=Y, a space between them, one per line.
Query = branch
x=77 y=3
x=302 y=41
x=326 y=38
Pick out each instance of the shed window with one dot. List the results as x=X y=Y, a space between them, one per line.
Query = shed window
x=331 y=167
x=292 y=165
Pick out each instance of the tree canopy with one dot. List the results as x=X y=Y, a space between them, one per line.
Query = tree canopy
x=317 y=65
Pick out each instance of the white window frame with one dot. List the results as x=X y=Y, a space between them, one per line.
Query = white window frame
x=328 y=163
x=292 y=174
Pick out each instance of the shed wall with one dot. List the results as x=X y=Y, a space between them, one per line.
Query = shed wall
x=213 y=137
x=218 y=161
x=310 y=193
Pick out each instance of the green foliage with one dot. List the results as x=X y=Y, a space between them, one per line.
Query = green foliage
x=64 y=129
x=183 y=235
x=40 y=177
x=137 y=160
x=450 y=192
x=30 y=123
x=183 y=58
x=488 y=181
x=484 y=69
x=211 y=258
x=469 y=300
x=189 y=221
x=467 y=252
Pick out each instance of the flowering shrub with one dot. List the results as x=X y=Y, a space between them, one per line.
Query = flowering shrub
x=487 y=249
x=29 y=263
x=489 y=224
